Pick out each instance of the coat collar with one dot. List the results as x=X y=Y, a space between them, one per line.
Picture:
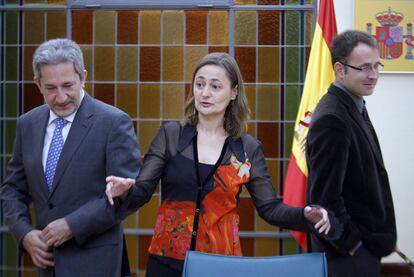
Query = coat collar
x=39 y=125
x=357 y=117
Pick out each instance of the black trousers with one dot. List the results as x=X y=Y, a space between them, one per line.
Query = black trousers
x=362 y=264
x=155 y=268
x=125 y=270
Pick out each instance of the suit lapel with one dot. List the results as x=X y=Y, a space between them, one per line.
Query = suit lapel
x=78 y=131
x=39 y=126
x=368 y=134
x=357 y=117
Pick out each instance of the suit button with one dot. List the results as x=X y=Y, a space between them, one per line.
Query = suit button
x=51 y=206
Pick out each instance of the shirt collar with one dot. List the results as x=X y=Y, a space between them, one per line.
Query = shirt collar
x=69 y=118
x=359 y=101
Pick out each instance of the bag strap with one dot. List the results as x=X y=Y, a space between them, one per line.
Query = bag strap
x=404 y=257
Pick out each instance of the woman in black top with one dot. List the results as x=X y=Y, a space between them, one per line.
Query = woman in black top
x=203 y=163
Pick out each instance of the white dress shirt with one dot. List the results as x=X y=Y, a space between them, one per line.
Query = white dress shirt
x=51 y=128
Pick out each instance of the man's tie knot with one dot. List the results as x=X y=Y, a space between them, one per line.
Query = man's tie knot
x=60 y=123
x=365 y=113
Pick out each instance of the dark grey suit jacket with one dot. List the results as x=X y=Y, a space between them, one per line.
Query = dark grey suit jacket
x=347 y=175
x=101 y=142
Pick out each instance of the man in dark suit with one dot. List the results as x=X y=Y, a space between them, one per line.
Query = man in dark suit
x=63 y=151
x=346 y=169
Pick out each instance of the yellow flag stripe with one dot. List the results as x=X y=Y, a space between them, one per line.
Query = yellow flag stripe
x=319 y=75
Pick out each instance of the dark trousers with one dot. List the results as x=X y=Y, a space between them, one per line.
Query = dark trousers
x=125 y=270
x=362 y=264
x=155 y=268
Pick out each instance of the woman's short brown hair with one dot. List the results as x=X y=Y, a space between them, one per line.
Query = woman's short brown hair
x=237 y=113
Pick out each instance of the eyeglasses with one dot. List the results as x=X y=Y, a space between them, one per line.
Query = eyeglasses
x=366 y=68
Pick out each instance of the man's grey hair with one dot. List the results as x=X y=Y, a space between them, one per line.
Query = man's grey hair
x=56 y=51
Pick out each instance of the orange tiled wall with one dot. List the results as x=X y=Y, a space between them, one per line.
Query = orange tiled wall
x=142 y=60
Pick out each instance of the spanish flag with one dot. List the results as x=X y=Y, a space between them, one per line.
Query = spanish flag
x=319 y=75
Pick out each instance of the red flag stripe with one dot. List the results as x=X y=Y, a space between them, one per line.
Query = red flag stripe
x=295 y=176
x=326 y=20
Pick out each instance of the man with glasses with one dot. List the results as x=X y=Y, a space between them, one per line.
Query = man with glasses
x=346 y=168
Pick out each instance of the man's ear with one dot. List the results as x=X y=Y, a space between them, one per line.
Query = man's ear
x=37 y=82
x=339 y=70
x=85 y=74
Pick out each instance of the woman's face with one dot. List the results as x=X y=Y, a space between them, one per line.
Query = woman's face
x=212 y=91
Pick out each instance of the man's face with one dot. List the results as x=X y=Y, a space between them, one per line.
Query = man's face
x=359 y=82
x=61 y=87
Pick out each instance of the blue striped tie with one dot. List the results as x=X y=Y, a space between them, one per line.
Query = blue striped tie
x=56 y=146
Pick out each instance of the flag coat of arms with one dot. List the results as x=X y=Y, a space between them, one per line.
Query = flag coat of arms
x=319 y=75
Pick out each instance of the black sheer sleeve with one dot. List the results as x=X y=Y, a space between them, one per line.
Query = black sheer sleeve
x=162 y=147
x=268 y=204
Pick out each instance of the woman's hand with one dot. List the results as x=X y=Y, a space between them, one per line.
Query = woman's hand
x=117 y=187
x=319 y=217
